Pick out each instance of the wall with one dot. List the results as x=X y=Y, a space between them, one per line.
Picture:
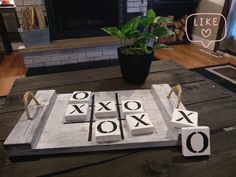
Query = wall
x=136 y=6
x=213 y=6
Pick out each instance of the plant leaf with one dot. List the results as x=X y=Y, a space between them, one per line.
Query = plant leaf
x=141 y=41
x=130 y=26
x=146 y=22
x=149 y=36
x=141 y=31
x=113 y=31
x=151 y=14
x=159 y=46
x=160 y=31
x=135 y=34
x=159 y=20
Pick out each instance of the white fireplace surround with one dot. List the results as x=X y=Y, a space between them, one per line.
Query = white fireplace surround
x=73 y=55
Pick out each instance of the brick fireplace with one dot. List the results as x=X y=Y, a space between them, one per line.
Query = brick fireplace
x=86 y=45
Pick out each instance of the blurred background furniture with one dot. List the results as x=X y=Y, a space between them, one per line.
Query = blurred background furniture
x=8 y=27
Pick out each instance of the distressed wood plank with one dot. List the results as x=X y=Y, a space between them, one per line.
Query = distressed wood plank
x=216 y=114
x=2 y=101
x=174 y=77
x=217 y=119
x=26 y=132
x=58 y=79
x=146 y=162
x=7 y=122
x=57 y=137
x=53 y=164
x=167 y=106
x=170 y=162
x=204 y=91
x=149 y=162
x=201 y=91
x=13 y=101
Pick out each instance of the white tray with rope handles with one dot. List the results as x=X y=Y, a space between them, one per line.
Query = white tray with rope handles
x=41 y=129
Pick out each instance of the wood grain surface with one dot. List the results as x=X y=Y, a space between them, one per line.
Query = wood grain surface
x=26 y=133
x=216 y=107
x=55 y=137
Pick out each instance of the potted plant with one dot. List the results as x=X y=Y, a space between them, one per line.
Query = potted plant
x=139 y=38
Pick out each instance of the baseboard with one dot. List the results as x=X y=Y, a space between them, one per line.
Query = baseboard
x=70 y=67
x=212 y=53
x=227 y=54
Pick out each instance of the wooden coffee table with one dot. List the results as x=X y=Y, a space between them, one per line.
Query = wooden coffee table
x=215 y=104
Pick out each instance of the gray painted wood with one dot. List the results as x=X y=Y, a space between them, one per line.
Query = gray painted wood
x=26 y=132
x=57 y=137
x=167 y=106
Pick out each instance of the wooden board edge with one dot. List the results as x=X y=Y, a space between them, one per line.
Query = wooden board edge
x=172 y=132
x=68 y=150
x=10 y=144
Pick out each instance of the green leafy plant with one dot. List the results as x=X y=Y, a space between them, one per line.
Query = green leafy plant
x=137 y=33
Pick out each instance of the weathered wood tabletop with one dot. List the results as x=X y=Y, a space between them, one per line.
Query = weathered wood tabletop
x=215 y=104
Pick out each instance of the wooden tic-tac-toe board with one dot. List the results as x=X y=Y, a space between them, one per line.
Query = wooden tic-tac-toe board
x=124 y=120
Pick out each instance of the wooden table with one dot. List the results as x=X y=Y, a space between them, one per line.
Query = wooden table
x=215 y=104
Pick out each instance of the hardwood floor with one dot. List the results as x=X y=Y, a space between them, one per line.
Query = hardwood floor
x=189 y=56
x=11 y=68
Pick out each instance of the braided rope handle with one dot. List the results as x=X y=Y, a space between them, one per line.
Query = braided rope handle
x=178 y=88
x=28 y=95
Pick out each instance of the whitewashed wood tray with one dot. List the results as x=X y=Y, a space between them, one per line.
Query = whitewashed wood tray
x=47 y=133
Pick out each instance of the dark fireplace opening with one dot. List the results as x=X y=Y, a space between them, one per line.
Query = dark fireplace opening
x=82 y=18
x=85 y=18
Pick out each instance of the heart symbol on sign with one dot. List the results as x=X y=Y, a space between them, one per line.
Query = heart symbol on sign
x=206 y=32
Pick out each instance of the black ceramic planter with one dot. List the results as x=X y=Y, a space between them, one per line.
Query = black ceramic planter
x=135 y=68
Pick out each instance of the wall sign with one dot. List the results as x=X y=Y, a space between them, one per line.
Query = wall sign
x=205 y=24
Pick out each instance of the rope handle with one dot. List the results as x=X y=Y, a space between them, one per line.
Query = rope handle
x=28 y=95
x=178 y=88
